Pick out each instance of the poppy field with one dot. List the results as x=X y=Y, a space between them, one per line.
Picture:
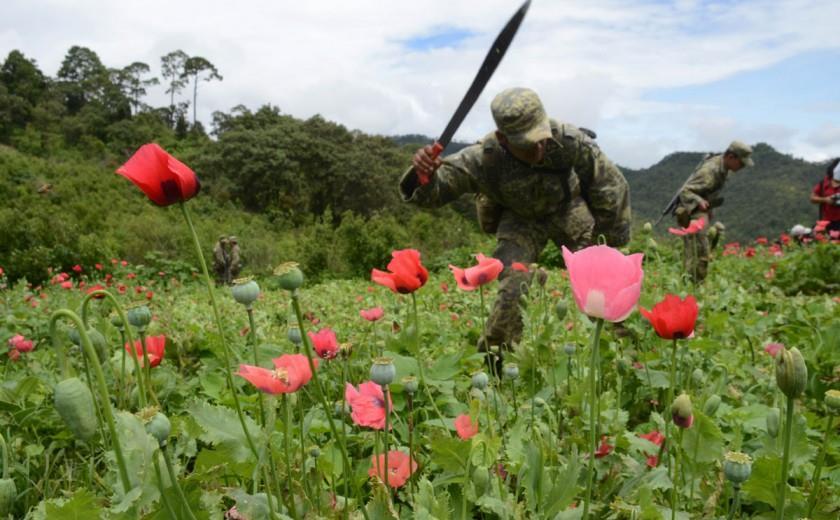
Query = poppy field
x=634 y=394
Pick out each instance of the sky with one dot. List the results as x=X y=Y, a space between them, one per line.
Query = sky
x=651 y=77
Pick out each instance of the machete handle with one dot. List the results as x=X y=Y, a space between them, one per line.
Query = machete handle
x=437 y=149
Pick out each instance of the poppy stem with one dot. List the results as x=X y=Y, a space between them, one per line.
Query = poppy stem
x=410 y=404
x=174 y=478
x=593 y=397
x=252 y=338
x=736 y=502
x=780 y=503
x=147 y=367
x=225 y=348
x=668 y=401
x=386 y=392
x=104 y=396
x=815 y=478
x=420 y=366
x=287 y=421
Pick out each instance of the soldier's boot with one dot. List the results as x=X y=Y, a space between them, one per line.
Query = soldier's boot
x=683 y=216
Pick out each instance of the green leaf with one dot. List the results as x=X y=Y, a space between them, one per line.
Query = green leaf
x=656 y=378
x=764 y=480
x=450 y=453
x=221 y=426
x=446 y=367
x=379 y=507
x=703 y=442
x=429 y=506
x=84 y=505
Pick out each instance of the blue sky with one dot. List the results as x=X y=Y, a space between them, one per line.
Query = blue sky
x=651 y=77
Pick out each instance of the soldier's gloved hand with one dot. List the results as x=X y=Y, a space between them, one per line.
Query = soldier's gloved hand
x=426 y=162
x=703 y=204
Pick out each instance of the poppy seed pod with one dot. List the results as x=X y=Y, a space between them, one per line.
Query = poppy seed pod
x=314 y=452
x=560 y=309
x=697 y=376
x=791 y=372
x=832 y=400
x=97 y=340
x=245 y=291
x=772 y=421
x=410 y=384
x=289 y=275
x=480 y=380
x=711 y=405
x=737 y=466
x=159 y=427
x=542 y=276
x=511 y=371
x=569 y=349
x=294 y=335
x=682 y=412
x=648 y=227
x=116 y=321
x=139 y=316
x=383 y=372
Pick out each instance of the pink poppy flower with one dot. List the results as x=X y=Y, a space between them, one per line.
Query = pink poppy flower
x=155 y=347
x=14 y=354
x=400 y=468
x=762 y=241
x=367 y=404
x=773 y=348
x=695 y=226
x=471 y=278
x=821 y=225
x=605 y=283
x=372 y=314
x=291 y=372
x=97 y=266
x=465 y=427
x=162 y=177
x=324 y=342
x=77 y=268
x=21 y=344
x=406 y=274
x=67 y=285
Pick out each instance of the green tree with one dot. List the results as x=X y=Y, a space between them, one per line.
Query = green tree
x=131 y=79
x=172 y=70
x=196 y=67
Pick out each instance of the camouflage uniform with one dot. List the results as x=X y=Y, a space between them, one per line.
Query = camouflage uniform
x=705 y=184
x=525 y=206
x=220 y=260
x=234 y=261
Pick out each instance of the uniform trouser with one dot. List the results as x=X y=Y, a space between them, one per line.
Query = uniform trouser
x=522 y=240
x=697 y=250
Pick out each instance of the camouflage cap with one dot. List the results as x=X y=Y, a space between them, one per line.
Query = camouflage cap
x=519 y=114
x=233 y=239
x=743 y=151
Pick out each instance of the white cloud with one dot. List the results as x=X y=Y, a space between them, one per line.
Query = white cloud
x=592 y=61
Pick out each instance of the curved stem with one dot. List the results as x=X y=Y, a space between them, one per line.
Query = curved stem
x=593 y=434
x=252 y=337
x=105 y=398
x=126 y=329
x=162 y=489
x=780 y=503
x=420 y=366
x=812 y=500
x=5 y=456
x=307 y=348
x=225 y=347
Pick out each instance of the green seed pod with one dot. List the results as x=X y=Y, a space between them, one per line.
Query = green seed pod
x=791 y=372
x=383 y=372
x=245 y=291
x=116 y=321
x=542 y=276
x=100 y=345
x=8 y=493
x=711 y=405
x=511 y=371
x=480 y=380
x=737 y=466
x=772 y=420
x=697 y=377
x=74 y=404
x=139 y=316
x=560 y=309
x=481 y=480
x=652 y=244
x=410 y=384
x=289 y=276
x=294 y=335
x=832 y=400
x=569 y=349
x=648 y=227
x=712 y=232
x=159 y=428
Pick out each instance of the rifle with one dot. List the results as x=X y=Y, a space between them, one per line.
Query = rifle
x=670 y=207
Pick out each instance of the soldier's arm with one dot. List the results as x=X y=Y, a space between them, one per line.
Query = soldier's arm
x=608 y=195
x=697 y=187
x=457 y=175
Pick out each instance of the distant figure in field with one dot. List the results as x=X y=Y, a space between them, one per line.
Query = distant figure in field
x=234 y=260
x=699 y=195
x=826 y=193
x=221 y=260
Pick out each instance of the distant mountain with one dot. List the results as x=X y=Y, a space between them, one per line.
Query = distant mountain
x=765 y=200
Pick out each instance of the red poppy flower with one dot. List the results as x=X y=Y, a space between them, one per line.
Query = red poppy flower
x=373 y=314
x=367 y=404
x=77 y=268
x=471 y=278
x=604 y=449
x=291 y=371
x=762 y=241
x=67 y=285
x=673 y=318
x=163 y=178
x=695 y=226
x=656 y=438
x=773 y=348
x=400 y=468
x=21 y=344
x=155 y=346
x=97 y=287
x=406 y=274
x=519 y=266
x=324 y=342
x=465 y=427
